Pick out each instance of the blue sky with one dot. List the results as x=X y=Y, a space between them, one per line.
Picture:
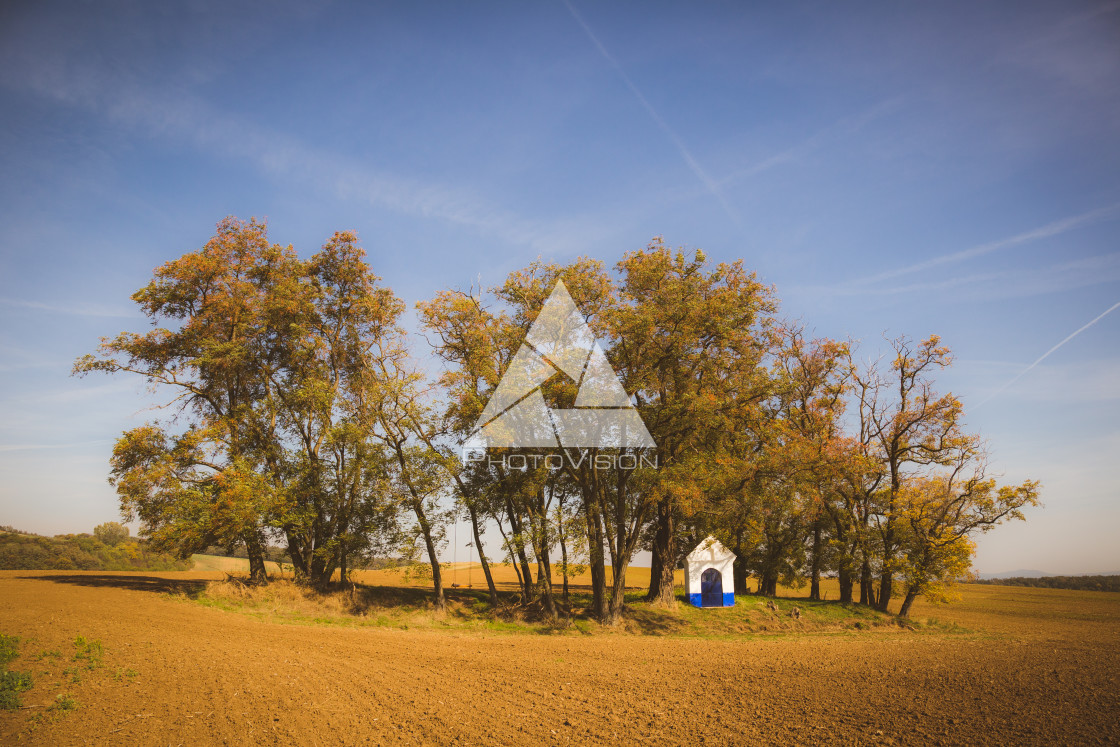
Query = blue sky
x=889 y=167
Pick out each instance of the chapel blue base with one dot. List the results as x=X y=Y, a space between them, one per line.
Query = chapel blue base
x=728 y=600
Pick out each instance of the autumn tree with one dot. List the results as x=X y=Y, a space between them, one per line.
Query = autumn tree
x=476 y=345
x=689 y=341
x=939 y=515
x=261 y=356
x=205 y=485
x=908 y=431
x=614 y=514
x=111 y=533
x=775 y=464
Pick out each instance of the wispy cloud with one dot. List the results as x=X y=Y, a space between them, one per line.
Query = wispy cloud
x=1048 y=353
x=1014 y=283
x=40 y=447
x=179 y=115
x=1055 y=228
x=710 y=184
x=92 y=310
x=841 y=128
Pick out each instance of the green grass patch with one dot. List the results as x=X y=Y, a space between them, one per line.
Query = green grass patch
x=411 y=608
x=88 y=652
x=120 y=674
x=63 y=703
x=9 y=649
x=11 y=683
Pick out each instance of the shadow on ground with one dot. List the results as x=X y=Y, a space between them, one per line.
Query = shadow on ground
x=134 y=583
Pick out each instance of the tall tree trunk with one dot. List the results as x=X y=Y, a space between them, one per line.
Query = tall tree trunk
x=322 y=569
x=844 y=574
x=596 y=560
x=433 y=559
x=517 y=572
x=493 y=590
x=739 y=566
x=665 y=548
x=866 y=586
x=911 y=595
x=815 y=562
x=618 y=598
x=539 y=525
x=564 y=568
x=518 y=538
x=295 y=552
x=844 y=565
x=546 y=564
x=544 y=579
x=258 y=573
x=654 y=591
x=526 y=572
x=768 y=584
x=507 y=543
x=618 y=588
x=886 y=580
x=886 y=576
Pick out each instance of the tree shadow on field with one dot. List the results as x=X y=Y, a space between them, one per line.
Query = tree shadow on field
x=133 y=583
x=650 y=621
x=366 y=597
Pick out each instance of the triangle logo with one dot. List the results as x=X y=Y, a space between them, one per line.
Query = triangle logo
x=559 y=341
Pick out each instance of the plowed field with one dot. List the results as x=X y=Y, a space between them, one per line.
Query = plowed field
x=1039 y=667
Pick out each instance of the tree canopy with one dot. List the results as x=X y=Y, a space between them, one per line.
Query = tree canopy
x=295 y=414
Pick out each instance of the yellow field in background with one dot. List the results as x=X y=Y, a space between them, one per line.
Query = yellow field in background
x=228 y=565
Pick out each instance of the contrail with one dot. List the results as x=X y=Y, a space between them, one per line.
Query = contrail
x=702 y=175
x=1045 y=355
x=1042 y=232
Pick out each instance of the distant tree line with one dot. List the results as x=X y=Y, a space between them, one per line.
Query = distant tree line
x=108 y=549
x=297 y=416
x=1078 y=583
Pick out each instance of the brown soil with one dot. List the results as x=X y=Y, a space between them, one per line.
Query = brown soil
x=1042 y=667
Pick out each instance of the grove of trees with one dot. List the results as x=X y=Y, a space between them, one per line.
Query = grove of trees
x=297 y=414
x=108 y=549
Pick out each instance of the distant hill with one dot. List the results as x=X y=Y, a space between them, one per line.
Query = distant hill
x=1041 y=574
x=1080 y=583
x=1015 y=574
x=23 y=551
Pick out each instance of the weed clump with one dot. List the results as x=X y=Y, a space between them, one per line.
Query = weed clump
x=88 y=651
x=11 y=683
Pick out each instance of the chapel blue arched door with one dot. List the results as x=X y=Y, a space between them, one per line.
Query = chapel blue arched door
x=711 y=588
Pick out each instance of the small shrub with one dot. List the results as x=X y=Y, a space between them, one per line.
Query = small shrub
x=64 y=702
x=11 y=685
x=89 y=651
x=9 y=649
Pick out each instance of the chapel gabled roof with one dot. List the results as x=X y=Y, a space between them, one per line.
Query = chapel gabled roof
x=710 y=549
